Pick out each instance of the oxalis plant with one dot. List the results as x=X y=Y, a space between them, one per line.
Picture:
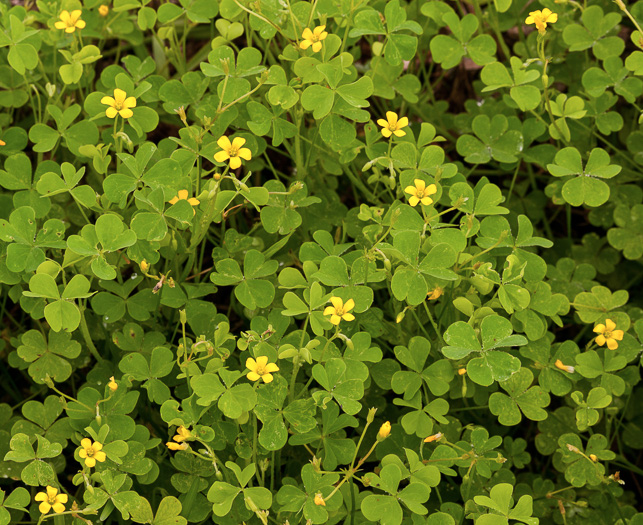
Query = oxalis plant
x=338 y=261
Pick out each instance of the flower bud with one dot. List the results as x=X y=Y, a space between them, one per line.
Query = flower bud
x=319 y=500
x=371 y=415
x=177 y=446
x=145 y=266
x=400 y=317
x=434 y=437
x=462 y=371
x=435 y=293
x=183 y=317
x=384 y=431
x=565 y=368
x=593 y=457
x=103 y=10
x=113 y=386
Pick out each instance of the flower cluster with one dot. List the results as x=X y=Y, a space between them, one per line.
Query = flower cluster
x=91 y=452
x=340 y=310
x=51 y=500
x=182 y=435
x=313 y=38
x=70 y=21
x=260 y=369
x=608 y=334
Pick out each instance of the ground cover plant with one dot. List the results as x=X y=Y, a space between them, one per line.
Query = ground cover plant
x=339 y=261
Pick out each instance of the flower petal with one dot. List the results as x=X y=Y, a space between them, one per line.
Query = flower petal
x=183 y=194
x=349 y=305
x=317 y=47
x=245 y=154
x=221 y=156
x=599 y=328
x=251 y=364
x=382 y=122
x=419 y=184
x=403 y=122
x=60 y=25
x=90 y=462
x=224 y=143
x=386 y=132
x=426 y=201
x=411 y=190
x=58 y=508
x=337 y=302
x=335 y=319
x=126 y=113
x=348 y=317
x=81 y=24
x=82 y=453
x=108 y=100
x=253 y=376
x=271 y=367
x=319 y=30
x=307 y=35
x=129 y=102
x=618 y=335
x=612 y=344
x=44 y=507
x=41 y=496
x=399 y=133
x=238 y=142
x=62 y=498
x=100 y=456
x=431 y=189
x=413 y=201
x=194 y=202
x=600 y=340
x=267 y=378
x=305 y=44
x=111 y=112
x=86 y=443
x=262 y=360
x=329 y=310
x=235 y=162
x=119 y=95
x=173 y=200
x=610 y=325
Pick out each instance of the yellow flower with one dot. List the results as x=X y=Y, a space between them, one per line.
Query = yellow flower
x=541 y=19
x=435 y=293
x=319 y=500
x=121 y=104
x=70 y=21
x=313 y=38
x=182 y=434
x=177 y=446
x=462 y=371
x=434 y=437
x=3 y=143
x=565 y=368
x=384 y=432
x=233 y=151
x=392 y=125
x=260 y=369
x=340 y=310
x=145 y=266
x=113 y=385
x=51 y=500
x=183 y=196
x=593 y=457
x=420 y=192
x=608 y=334
x=103 y=10
x=91 y=452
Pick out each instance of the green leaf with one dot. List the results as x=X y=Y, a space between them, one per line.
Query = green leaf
x=521 y=398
